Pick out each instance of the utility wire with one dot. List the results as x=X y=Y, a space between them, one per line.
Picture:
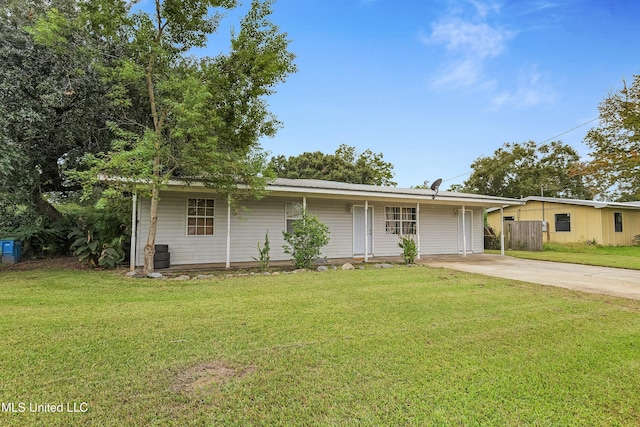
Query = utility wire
x=546 y=140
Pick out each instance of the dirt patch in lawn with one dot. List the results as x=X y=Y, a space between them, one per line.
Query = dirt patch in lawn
x=207 y=375
x=67 y=263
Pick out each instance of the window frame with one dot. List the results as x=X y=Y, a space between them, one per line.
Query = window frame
x=403 y=220
x=291 y=219
x=617 y=219
x=209 y=213
x=556 y=221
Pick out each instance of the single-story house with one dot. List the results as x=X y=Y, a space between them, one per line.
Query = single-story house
x=201 y=228
x=567 y=220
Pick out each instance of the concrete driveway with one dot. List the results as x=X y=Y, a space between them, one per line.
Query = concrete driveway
x=600 y=280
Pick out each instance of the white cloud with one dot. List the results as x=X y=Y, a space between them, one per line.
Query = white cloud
x=532 y=89
x=470 y=43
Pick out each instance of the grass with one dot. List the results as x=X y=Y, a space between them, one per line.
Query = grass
x=581 y=253
x=401 y=346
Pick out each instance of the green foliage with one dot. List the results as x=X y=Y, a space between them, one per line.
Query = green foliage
x=307 y=240
x=615 y=145
x=636 y=240
x=97 y=239
x=409 y=249
x=263 y=254
x=345 y=165
x=526 y=169
x=53 y=98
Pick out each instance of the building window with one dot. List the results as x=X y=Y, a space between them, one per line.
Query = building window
x=563 y=222
x=400 y=220
x=292 y=212
x=509 y=218
x=617 y=222
x=200 y=215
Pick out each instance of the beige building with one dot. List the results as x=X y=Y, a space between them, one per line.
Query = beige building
x=606 y=223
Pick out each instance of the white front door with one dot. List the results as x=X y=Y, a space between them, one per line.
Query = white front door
x=467 y=233
x=359 y=230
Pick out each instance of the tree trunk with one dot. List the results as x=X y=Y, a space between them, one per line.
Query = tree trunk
x=45 y=208
x=150 y=246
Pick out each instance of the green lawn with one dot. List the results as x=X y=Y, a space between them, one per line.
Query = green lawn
x=401 y=346
x=580 y=253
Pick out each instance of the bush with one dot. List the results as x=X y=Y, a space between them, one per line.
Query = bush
x=409 y=249
x=97 y=237
x=307 y=240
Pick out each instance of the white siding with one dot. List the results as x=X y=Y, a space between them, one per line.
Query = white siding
x=438 y=227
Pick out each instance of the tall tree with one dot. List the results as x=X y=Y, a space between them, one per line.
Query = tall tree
x=615 y=145
x=526 y=169
x=345 y=165
x=204 y=116
x=52 y=99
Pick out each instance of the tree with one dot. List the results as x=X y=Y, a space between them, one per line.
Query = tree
x=526 y=169
x=345 y=165
x=615 y=145
x=53 y=105
x=204 y=116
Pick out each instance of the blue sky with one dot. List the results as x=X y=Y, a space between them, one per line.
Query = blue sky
x=434 y=84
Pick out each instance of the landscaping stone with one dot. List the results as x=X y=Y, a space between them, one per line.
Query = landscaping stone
x=383 y=265
x=347 y=266
x=275 y=273
x=155 y=275
x=204 y=276
x=266 y=273
x=322 y=268
x=182 y=277
x=299 y=270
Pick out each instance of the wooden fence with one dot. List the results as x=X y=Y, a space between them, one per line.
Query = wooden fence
x=523 y=235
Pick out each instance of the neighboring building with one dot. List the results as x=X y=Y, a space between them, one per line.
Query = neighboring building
x=199 y=227
x=606 y=223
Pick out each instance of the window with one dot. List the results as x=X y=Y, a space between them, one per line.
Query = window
x=292 y=212
x=563 y=222
x=400 y=220
x=617 y=222
x=509 y=218
x=200 y=215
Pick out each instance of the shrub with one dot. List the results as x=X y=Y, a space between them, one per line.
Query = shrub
x=97 y=240
x=409 y=249
x=307 y=240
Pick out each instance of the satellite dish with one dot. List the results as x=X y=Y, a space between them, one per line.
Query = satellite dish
x=435 y=186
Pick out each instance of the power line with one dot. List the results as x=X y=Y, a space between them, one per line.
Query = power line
x=570 y=130
x=545 y=141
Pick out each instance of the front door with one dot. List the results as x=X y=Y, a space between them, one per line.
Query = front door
x=359 y=230
x=468 y=230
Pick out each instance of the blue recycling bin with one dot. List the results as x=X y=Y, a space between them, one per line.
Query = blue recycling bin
x=11 y=251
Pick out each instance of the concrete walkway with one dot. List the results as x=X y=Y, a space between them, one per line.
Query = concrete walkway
x=600 y=280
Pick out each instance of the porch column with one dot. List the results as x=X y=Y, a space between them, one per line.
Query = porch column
x=464 y=232
x=228 y=261
x=418 y=228
x=366 y=231
x=134 y=226
x=502 y=230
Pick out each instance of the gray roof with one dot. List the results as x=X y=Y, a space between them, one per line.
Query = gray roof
x=320 y=188
x=593 y=203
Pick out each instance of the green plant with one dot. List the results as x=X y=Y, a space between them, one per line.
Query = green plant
x=85 y=246
x=409 y=249
x=92 y=249
x=263 y=257
x=636 y=240
x=307 y=240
